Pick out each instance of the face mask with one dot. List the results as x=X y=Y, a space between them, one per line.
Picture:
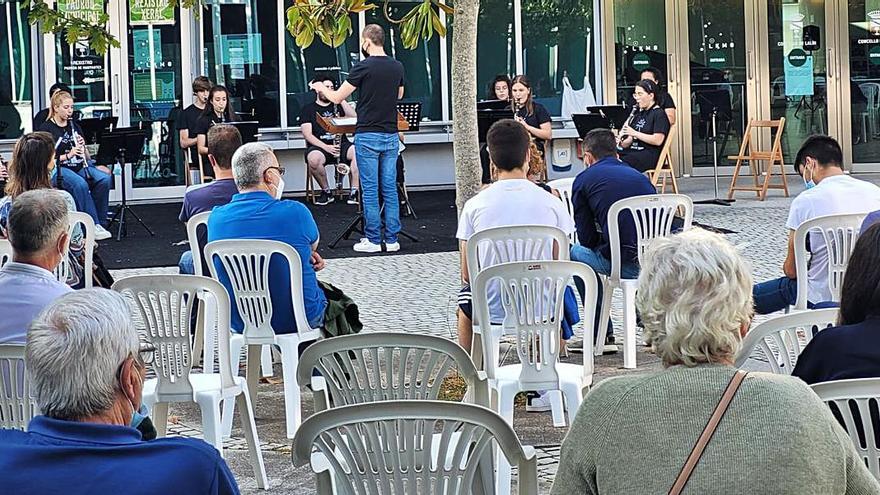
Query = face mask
x=137 y=417
x=364 y=52
x=279 y=188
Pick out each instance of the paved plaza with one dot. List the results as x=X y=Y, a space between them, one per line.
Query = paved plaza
x=416 y=293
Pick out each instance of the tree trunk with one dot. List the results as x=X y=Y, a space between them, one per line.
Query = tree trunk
x=465 y=146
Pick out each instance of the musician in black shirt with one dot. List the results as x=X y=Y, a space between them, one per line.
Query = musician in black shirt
x=664 y=101
x=322 y=147
x=189 y=117
x=642 y=137
x=217 y=111
x=533 y=116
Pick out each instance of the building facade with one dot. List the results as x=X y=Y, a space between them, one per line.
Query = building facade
x=815 y=62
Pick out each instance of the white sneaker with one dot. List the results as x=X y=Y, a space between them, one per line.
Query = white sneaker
x=101 y=233
x=392 y=246
x=539 y=403
x=365 y=246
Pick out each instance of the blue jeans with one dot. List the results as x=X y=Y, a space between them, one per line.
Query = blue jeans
x=376 y=154
x=601 y=266
x=91 y=197
x=778 y=294
x=185 y=265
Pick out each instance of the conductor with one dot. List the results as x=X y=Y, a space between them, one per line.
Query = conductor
x=379 y=79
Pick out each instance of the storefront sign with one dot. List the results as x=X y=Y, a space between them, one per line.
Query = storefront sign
x=641 y=61
x=86 y=10
x=874 y=55
x=156 y=86
x=798 y=73
x=717 y=59
x=155 y=12
x=241 y=49
x=811 y=38
x=146 y=56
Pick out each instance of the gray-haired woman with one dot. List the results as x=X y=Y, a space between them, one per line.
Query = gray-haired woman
x=633 y=434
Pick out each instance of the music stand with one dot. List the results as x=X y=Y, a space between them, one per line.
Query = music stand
x=249 y=130
x=92 y=129
x=357 y=223
x=412 y=113
x=118 y=147
x=616 y=114
x=488 y=116
x=586 y=122
x=494 y=105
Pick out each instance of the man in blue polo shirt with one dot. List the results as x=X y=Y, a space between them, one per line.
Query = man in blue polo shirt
x=258 y=212
x=605 y=181
x=86 y=369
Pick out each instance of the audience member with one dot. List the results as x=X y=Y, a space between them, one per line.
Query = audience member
x=258 y=212
x=33 y=159
x=695 y=301
x=512 y=200
x=89 y=185
x=87 y=371
x=189 y=117
x=851 y=349
x=37 y=229
x=829 y=192
x=43 y=115
x=606 y=181
x=223 y=141
x=321 y=147
x=642 y=137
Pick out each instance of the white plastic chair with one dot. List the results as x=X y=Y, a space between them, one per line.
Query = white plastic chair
x=165 y=304
x=847 y=396
x=62 y=271
x=504 y=245
x=390 y=447
x=17 y=407
x=246 y=263
x=783 y=338
x=195 y=223
x=653 y=216
x=840 y=233
x=564 y=187
x=532 y=293
x=372 y=367
x=5 y=252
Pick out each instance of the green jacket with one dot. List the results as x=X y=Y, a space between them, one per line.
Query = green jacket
x=341 y=316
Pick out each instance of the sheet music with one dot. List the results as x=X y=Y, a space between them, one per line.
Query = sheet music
x=344 y=121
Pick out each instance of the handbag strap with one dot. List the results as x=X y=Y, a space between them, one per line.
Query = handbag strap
x=708 y=431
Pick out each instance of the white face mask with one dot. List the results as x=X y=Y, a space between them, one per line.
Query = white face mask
x=279 y=188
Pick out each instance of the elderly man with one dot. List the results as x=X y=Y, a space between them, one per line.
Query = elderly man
x=86 y=370
x=223 y=141
x=258 y=212
x=37 y=228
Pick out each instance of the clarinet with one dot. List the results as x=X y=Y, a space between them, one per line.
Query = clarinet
x=626 y=123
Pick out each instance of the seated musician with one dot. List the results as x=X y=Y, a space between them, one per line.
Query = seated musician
x=533 y=116
x=499 y=89
x=642 y=137
x=321 y=147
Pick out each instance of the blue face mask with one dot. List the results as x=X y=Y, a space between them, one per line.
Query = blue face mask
x=809 y=184
x=137 y=417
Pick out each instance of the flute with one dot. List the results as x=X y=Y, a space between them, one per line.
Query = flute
x=626 y=123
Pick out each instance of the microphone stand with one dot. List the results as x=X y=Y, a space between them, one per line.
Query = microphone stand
x=716 y=200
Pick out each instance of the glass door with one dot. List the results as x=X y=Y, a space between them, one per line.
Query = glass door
x=639 y=42
x=154 y=91
x=864 y=86
x=718 y=72
x=797 y=63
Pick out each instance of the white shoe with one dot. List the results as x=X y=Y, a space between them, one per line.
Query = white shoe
x=365 y=246
x=392 y=247
x=101 y=233
x=539 y=403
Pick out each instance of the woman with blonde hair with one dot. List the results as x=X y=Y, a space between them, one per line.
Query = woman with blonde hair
x=634 y=433
x=33 y=159
x=89 y=185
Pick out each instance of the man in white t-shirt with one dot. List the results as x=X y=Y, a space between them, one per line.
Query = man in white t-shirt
x=829 y=192
x=512 y=200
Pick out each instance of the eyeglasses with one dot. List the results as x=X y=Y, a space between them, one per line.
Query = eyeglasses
x=146 y=355
x=279 y=169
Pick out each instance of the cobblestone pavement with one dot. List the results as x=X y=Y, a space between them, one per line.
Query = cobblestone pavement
x=416 y=293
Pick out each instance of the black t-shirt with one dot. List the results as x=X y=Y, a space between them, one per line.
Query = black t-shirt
x=308 y=116
x=641 y=155
x=539 y=116
x=40 y=117
x=65 y=140
x=378 y=80
x=187 y=120
x=205 y=122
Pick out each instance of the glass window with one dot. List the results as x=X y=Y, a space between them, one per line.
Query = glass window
x=16 y=110
x=639 y=42
x=495 y=44
x=302 y=65
x=558 y=40
x=864 y=84
x=79 y=66
x=421 y=65
x=241 y=53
